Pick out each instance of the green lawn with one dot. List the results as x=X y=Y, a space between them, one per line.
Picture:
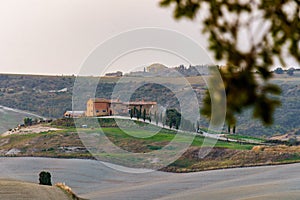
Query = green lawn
x=162 y=138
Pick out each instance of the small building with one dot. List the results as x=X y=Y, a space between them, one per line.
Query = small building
x=74 y=114
x=97 y=107
x=118 y=108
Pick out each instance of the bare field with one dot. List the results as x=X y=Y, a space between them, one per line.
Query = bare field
x=94 y=180
x=17 y=190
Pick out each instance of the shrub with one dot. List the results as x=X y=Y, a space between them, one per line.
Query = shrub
x=45 y=178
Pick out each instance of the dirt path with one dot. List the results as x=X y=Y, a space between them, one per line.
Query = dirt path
x=16 y=190
x=30 y=129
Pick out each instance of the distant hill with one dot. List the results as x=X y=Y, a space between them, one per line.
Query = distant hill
x=156 y=68
x=287 y=118
x=51 y=96
x=43 y=95
x=159 y=70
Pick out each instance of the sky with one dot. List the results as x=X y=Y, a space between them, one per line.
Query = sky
x=57 y=36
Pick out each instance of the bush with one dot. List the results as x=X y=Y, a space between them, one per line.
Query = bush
x=45 y=178
x=292 y=142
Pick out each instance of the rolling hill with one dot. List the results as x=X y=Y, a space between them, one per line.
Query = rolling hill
x=51 y=96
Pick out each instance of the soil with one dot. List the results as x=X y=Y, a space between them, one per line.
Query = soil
x=30 y=129
x=14 y=190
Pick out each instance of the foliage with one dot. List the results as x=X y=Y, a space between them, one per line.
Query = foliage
x=279 y=70
x=136 y=113
x=89 y=122
x=290 y=71
x=45 y=178
x=173 y=118
x=65 y=122
x=292 y=141
x=144 y=114
x=286 y=117
x=27 y=121
x=131 y=113
x=234 y=38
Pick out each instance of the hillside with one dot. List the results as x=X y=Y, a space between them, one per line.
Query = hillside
x=51 y=96
x=9 y=118
x=12 y=190
x=43 y=95
x=286 y=118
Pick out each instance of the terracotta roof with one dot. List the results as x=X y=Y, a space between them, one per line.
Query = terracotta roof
x=140 y=103
x=100 y=100
x=115 y=101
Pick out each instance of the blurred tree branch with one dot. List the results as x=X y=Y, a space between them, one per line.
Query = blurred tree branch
x=248 y=35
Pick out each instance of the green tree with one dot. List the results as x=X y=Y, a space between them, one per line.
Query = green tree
x=173 y=118
x=290 y=71
x=231 y=27
x=163 y=119
x=279 y=70
x=150 y=116
x=156 y=117
x=131 y=113
x=134 y=111
x=177 y=123
x=139 y=113
x=144 y=114
x=197 y=126
x=45 y=178
x=27 y=121
x=170 y=124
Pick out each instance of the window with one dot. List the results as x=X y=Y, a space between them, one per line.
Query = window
x=103 y=110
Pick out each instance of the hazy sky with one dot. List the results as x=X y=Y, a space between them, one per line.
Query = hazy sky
x=56 y=36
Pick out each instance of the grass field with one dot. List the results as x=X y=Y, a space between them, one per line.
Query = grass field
x=68 y=143
x=165 y=136
x=223 y=155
